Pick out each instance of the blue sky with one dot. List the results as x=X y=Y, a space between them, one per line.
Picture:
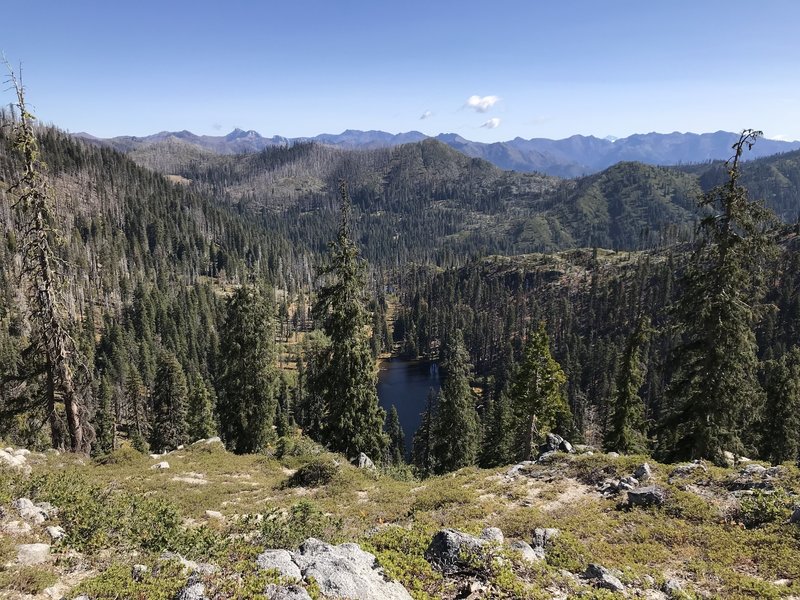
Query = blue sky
x=538 y=69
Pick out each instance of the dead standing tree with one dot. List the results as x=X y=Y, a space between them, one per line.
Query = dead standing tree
x=41 y=276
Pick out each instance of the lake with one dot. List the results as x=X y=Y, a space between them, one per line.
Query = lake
x=405 y=384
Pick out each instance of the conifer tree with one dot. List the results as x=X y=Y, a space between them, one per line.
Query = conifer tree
x=397 y=439
x=422 y=444
x=247 y=376
x=537 y=393
x=347 y=380
x=496 y=447
x=136 y=409
x=626 y=431
x=105 y=422
x=283 y=419
x=781 y=430
x=714 y=395
x=66 y=374
x=200 y=418
x=170 y=397
x=457 y=428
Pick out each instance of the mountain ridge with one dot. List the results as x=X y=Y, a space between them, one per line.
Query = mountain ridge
x=573 y=156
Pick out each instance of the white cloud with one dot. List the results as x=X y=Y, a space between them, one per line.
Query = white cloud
x=779 y=138
x=426 y=115
x=491 y=123
x=482 y=104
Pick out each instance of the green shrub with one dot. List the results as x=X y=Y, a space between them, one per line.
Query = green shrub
x=162 y=583
x=319 y=471
x=27 y=580
x=296 y=446
x=764 y=507
x=566 y=552
x=288 y=529
x=124 y=455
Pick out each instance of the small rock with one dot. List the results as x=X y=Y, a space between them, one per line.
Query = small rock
x=672 y=588
x=180 y=447
x=612 y=454
x=688 y=469
x=547 y=457
x=627 y=483
x=139 y=572
x=493 y=534
x=193 y=591
x=161 y=465
x=33 y=554
x=527 y=551
x=643 y=472
x=286 y=592
x=12 y=461
x=647 y=496
x=602 y=577
x=795 y=518
x=17 y=528
x=364 y=462
x=281 y=561
x=520 y=468
x=56 y=532
x=21 y=452
x=214 y=514
x=214 y=440
x=544 y=536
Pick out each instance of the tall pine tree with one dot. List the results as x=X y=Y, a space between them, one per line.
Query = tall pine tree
x=169 y=405
x=247 y=378
x=627 y=428
x=538 y=398
x=347 y=380
x=714 y=396
x=397 y=439
x=781 y=435
x=457 y=428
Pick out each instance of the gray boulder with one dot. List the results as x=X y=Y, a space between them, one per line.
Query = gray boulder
x=139 y=572
x=56 y=532
x=627 y=483
x=528 y=552
x=643 y=472
x=795 y=518
x=673 y=589
x=493 y=534
x=286 y=592
x=602 y=578
x=194 y=590
x=346 y=571
x=281 y=561
x=565 y=446
x=647 y=496
x=552 y=443
x=33 y=554
x=30 y=511
x=450 y=550
x=363 y=461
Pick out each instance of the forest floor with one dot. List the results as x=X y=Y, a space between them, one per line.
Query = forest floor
x=720 y=532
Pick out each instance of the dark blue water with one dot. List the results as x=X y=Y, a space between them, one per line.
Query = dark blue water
x=405 y=383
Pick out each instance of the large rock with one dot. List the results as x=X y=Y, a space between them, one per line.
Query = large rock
x=17 y=528
x=647 y=496
x=12 y=460
x=30 y=511
x=603 y=578
x=281 y=561
x=193 y=590
x=552 y=443
x=346 y=571
x=286 y=592
x=527 y=551
x=161 y=466
x=450 y=550
x=33 y=554
x=363 y=461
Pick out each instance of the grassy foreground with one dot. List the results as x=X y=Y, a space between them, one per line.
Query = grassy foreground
x=719 y=534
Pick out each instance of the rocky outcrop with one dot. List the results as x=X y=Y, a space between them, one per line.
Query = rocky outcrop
x=647 y=496
x=451 y=551
x=603 y=578
x=362 y=461
x=343 y=571
x=33 y=554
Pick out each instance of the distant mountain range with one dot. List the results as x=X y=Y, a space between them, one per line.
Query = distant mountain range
x=570 y=157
